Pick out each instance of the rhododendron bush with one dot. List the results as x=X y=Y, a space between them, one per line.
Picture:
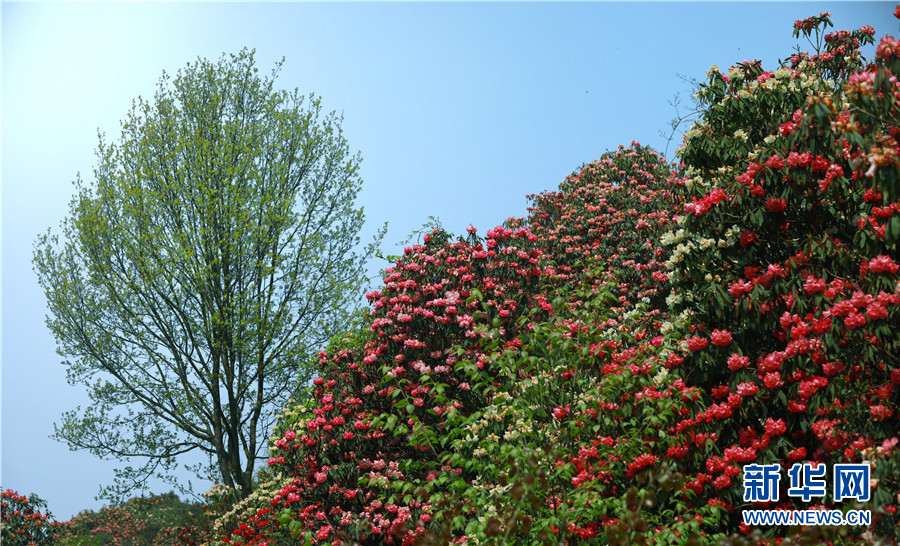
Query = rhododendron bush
x=601 y=369
x=148 y=520
x=25 y=520
x=785 y=286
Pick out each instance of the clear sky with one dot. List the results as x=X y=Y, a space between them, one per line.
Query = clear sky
x=459 y=110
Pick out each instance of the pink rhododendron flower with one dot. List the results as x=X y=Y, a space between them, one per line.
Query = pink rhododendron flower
x=888 y=48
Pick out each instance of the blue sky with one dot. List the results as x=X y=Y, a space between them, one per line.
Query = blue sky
x=459 y=111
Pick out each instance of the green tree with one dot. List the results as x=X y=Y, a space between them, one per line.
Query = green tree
x=217 y=249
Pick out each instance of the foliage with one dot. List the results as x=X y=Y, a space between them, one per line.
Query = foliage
x=215 y=249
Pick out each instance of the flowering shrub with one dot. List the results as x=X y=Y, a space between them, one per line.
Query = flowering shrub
x=23 y=522
x=786 y=266
x=139 y=521
x=109 y=525
x=453 y=336
x=600 y=370
x=613 y=210
x=381 y=404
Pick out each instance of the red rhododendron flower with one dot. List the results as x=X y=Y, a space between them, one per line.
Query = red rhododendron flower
x=814 y=285
x=843 y=308
x=772 y=380
x=737 y=454
x=715 y=465
x=771 y=362
x=674 y=360
x=560 y=412
x=797 y=454
x=747 y=178
x=747 y=238
x=696 y=343
x=876 y=311
x=721 y=338
x=747 y=388
x=740 y=288
x=676 y=452
x=776 y=205
x=821 y=325
x=746 y=436
x=830 y=369
x=722 y=482
x=640 y=462
x=738 y=362
x=775 y=427
x=798 y=161
x=881 y=412
x=854 y=321
x=883 y=264
x=775 y=162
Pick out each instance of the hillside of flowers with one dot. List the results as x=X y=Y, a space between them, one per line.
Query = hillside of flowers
x=784 y=274
x=602 y=369
x=154 y=520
